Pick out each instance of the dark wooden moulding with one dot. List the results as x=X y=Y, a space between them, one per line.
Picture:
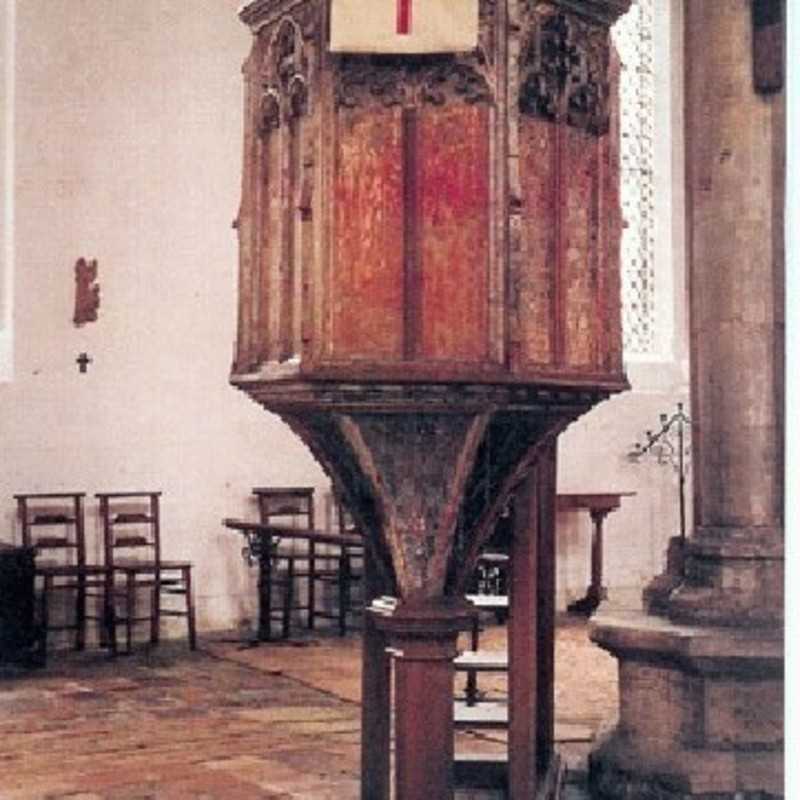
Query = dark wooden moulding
x=428 y=296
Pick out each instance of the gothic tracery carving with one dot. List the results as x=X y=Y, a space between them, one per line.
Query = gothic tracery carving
x=564 y=71
x=284 y=73
x=391 y=81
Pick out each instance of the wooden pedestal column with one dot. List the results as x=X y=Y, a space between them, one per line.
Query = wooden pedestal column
x=423 y=643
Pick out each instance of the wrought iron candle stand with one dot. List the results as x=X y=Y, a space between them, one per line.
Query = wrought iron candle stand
x=671 y=444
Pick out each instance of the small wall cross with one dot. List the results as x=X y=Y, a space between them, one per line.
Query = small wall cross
x=83 y=362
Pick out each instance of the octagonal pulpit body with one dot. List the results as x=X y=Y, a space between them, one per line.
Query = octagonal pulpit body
x=429 y=260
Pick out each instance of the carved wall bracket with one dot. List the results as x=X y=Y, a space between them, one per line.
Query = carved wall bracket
x=87 y=292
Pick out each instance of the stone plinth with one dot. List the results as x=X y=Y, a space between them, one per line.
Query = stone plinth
x=700 y=712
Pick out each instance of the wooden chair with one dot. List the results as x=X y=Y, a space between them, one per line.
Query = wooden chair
x=342 y=570
x=52 y=524
x=132 y=545
x=287 y=568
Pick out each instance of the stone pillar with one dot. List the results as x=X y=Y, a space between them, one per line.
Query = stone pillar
x=710 y=674
x=735 y=174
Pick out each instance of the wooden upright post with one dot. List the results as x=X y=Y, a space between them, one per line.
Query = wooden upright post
x=376 y=674
x=531 y=630
x=423 y=641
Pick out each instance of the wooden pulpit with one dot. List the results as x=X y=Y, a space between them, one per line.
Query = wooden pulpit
x=428 y=296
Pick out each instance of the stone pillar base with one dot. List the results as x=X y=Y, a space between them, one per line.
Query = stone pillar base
x=656 y=594
x=701 y=712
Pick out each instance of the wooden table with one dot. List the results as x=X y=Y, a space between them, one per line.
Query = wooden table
x=260 y=540
x=599 y=505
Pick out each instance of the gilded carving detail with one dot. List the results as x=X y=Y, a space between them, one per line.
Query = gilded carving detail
x=564 y=70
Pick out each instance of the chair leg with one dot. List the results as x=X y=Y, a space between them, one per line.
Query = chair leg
x=46 y=588
x=80 y=613
x=312 y=583
x=130 y=610
x=110 y=614
x=265 y=596
x=288 y=599
x=187 y=583
x=155 y=611
x=471 y=690
x=344 y=584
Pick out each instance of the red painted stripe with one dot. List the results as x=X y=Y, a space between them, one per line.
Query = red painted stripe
x=404 y=17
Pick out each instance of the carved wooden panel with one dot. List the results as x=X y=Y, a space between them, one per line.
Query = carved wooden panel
x=578 y=248
x=536 y=279
x=269 y=197
x=277 y=108
x=567 y=312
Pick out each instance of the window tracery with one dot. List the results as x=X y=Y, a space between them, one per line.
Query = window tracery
x=634 y=38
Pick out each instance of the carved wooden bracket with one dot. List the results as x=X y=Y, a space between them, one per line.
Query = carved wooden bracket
x=769 y=33
x=87 y=292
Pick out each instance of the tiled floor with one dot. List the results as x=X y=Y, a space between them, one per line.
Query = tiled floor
x=231 y=722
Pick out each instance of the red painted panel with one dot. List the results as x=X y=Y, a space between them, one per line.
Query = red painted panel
x=367 y=270
x=579 y=243
x=535 y=285
x=453 y=191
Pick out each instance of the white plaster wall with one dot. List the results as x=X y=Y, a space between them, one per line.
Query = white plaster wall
x=128 y=148
x=7 y=61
